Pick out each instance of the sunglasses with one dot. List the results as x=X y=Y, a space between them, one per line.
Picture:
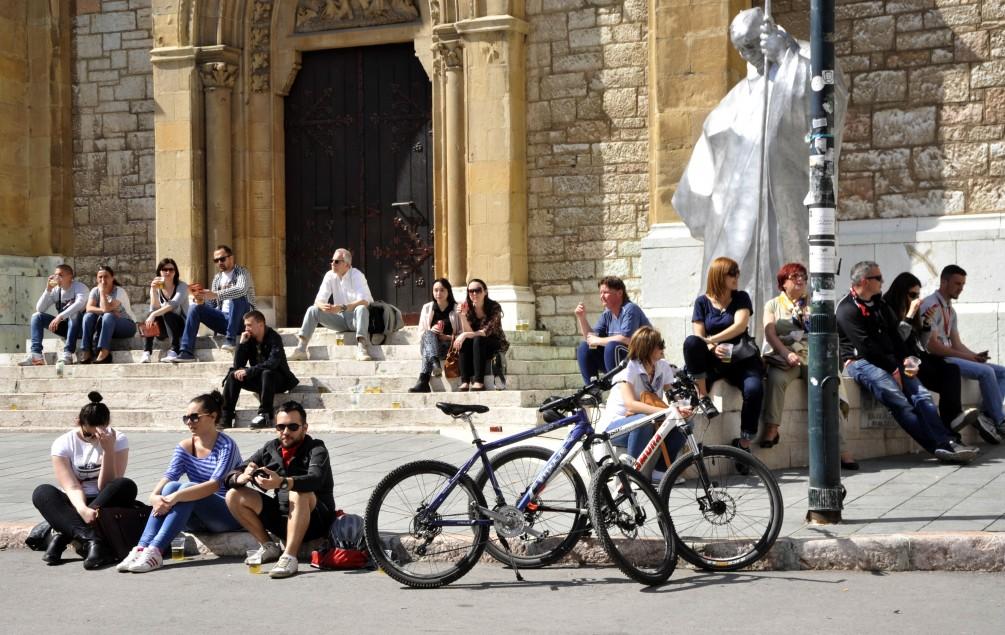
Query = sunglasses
x=192 y=418
x=292 y=427
x=662 y=345
x=86 y=434
x=797 y=276
x=913 y=296
x=876 y=278
x=337 y=262
x=167 y=269
x=476 y=290
x=220 y=259
x=733 y=273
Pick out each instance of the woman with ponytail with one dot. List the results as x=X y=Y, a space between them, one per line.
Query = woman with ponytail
x=90 y=463
x=198 y=504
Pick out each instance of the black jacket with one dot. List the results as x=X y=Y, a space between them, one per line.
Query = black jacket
x=310 y=468
x=872 y=337
x=269 y=355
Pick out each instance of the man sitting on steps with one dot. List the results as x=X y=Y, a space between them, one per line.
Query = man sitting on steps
x=68 y=297
x=259 y=366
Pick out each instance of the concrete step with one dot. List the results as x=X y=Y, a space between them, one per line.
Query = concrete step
x=344 y=418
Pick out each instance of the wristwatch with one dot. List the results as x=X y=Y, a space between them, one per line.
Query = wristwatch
x=284 y=485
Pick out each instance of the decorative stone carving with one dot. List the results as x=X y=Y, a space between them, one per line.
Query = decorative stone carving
x=450 y=53
x=217 y=75
x=329 y=15
x=434 y=11
x=261 y=26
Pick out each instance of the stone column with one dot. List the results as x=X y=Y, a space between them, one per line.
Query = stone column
x=455 y=150
x=218 y=81
x=496 y=134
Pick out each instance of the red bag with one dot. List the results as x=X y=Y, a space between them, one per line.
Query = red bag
x=338 y=558
x=348 y=550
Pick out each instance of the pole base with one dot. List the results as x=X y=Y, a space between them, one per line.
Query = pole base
x=823 y=517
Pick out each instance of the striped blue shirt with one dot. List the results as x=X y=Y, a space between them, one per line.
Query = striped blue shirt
x=224 y=457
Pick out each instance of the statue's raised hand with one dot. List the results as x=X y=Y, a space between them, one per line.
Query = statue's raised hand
x=774 y=41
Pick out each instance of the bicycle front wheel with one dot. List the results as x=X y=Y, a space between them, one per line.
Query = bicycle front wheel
x=555 y=519
x=408 y=539
x=735 y=521
x=633 y=524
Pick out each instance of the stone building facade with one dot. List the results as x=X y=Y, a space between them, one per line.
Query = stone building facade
x=134 y=129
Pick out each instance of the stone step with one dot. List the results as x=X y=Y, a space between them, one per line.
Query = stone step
x=345 y=418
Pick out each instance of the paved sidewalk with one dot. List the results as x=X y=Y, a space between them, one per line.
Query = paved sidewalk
x=893 y=504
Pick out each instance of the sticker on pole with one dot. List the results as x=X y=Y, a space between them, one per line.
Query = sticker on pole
x=817 y=83
x=822 y=259
x=823 y=295
x=822 y=221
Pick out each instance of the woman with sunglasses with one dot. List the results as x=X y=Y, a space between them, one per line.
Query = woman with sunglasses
x=482 y=335
x=90 y=464
x=646 y=371
x=721 y=347
x=168 y=309
x=198 y=504
x=935 y=373
x=438 y=322
x=109 y=314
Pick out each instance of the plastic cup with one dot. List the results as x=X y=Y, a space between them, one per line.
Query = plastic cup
x=395 y=404
x=254 y=568
x=340 y=339
x=911 y=365
x=727 y=353
x=178 y=548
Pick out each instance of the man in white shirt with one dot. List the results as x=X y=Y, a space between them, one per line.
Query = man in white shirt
x=349 y=310
x=945 y=342
x=68 y=298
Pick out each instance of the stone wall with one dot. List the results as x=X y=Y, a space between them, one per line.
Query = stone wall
x=924 y=134
x=587 y=152
x=113 y=142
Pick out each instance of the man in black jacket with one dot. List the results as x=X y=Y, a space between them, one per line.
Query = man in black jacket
x=874 y=356
x=296 y=466
x=261 y=350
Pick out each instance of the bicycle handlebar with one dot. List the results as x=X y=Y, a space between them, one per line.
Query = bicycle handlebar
x=594 y=388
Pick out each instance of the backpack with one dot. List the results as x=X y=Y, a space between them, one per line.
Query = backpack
x=385 y=318
x=348 y=545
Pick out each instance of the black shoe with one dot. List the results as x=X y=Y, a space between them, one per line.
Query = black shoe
x=262 y=421
x=741 y=468
x=421 y=386
x=849 y=465
x=98 y=555
x=706 y=405
x=54 y=551
x=226 y=422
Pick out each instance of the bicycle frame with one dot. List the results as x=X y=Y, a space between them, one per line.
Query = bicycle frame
x=673 y=420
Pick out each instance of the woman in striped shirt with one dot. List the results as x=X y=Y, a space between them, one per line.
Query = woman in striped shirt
x=198 y=504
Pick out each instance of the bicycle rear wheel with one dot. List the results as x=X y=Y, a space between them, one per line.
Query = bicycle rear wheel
x=404 y=536
x=633 y=524
x=735 y=522
x=559 y=512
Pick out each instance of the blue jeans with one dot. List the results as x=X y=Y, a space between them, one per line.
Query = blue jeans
x=215 y=319
x=70 y=329
x=912 y=407
x=593 y=361
x=992 y=380
x=637 y=439
x=107 y=325
x=208 y=514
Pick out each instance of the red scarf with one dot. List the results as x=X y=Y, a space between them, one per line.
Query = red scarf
x=860 y=303
x=289 y=453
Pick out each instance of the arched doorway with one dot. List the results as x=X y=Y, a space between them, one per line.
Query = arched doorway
x=358 y=133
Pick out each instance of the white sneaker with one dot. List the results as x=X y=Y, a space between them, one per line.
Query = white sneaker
x=269 y=552
x=298 y=355
x=964 y=419
x=32 y=359
x=145 y=358
x=169 y=357
x=285 y=567
x=68 y=358
x=500 y=382
x=148 y=560
x=134 y=554
x=228 y=348
x=362 y=354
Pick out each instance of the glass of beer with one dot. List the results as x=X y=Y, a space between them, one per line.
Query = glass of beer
x=340 y=339
x=254 y=568
x=727 y=353
x=911 y=365
x=178 y=548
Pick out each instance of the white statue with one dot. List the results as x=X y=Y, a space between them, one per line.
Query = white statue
x=724 y=189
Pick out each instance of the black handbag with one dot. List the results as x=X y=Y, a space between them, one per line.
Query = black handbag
x=38 y=537
x=122 y=527
x=745 y=348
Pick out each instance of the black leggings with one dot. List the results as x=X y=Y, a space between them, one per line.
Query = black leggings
x=475 y=352
x=172 y=325
x=938 y=375
x=56 y=508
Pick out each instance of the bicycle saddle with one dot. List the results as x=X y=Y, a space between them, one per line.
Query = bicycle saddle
x=458 y=409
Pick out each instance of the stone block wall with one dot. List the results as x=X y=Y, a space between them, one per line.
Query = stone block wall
x=113 y=156
x=925 y=131
x=587 y=152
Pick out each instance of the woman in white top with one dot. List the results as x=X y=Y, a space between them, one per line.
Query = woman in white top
x=168 y=309
x=108 y=312
x=646 y=371
x=90 y=463
x=438 y=324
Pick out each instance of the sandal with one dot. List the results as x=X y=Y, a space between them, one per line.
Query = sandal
x=464 y=387
x=477 y=386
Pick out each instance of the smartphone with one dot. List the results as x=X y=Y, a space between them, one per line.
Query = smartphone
x=259 y=473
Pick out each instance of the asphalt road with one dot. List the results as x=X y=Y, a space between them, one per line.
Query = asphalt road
x=202 y=594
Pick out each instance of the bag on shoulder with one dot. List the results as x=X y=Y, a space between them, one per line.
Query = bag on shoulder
x=122 y=526
x=348 y=545
x=385 y=319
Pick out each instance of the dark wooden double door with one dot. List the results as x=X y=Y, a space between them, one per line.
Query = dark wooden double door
x=358 y=141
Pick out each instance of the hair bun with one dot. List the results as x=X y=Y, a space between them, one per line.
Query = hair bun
x=94 y=396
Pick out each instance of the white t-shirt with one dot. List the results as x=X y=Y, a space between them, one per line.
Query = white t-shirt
x=635 y=375
x=85 y=457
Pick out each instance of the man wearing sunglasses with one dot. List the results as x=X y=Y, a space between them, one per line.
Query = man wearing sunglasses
x=293 y=494
x=259 y=366
x=874 y=356
x=342 y=305
x=222 y=308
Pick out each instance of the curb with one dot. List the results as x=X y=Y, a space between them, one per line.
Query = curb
x=982 y=551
